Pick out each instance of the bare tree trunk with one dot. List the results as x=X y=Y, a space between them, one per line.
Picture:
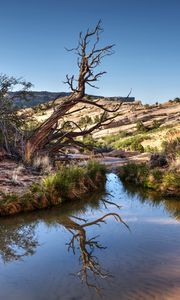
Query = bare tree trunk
x=37 y=140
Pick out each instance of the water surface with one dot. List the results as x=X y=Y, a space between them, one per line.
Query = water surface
x=83 y=251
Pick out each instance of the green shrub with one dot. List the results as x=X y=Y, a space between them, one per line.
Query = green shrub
x=171 y=148
x=147 y=106
x=96 y=119
x=171 y=180
x=93 y=168
x=125 y=143
x=164 y=145
x=136 y=173
x=155 y=124
x=151 y=149
x=177 y=100
x=123 y=134
x=141 y=127
x=136 y=146
x=85 y=120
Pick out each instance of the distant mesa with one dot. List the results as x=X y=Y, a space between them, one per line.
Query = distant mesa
x=35 y=98
x=122 y=99
x=41 y=97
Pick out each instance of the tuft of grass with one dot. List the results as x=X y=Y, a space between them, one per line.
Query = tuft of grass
x=126 y=143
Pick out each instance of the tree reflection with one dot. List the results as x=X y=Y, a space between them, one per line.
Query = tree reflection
x=17 y=241
x=90 y=266
x=18 y=237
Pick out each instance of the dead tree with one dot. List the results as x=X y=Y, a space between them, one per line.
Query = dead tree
x=50 y=136
x=91 y=270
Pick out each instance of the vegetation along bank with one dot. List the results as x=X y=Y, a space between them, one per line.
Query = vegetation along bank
x=67 y=184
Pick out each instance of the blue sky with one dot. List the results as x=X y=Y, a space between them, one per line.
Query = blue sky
x=146 y=33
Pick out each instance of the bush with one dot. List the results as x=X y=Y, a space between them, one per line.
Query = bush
x=147 y=106
x=96 y=119
x=136 y=146
x=93 y=168
x=155 y=124
x=74 y=181
x=171 y=148
x=136 y=173
x=171 y=180
x=177 y=100
x=141 y=127
x=123 y=134
x=86 y=120
x=125 y=143
x=151 y=149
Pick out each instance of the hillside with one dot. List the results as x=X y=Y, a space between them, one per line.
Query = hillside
x=158 y=121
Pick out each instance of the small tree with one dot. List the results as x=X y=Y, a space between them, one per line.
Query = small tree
x=11 y=121
x=140 y=126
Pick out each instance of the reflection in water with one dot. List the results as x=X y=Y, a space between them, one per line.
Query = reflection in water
x=171 y=205
x=18 y=240
x=18 y=233
x=89 y=262
x=144 y=264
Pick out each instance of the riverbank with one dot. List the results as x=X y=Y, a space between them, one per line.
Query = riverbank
x=165 y=181
x=24 y=190
x=16 y=178
x=68 y=183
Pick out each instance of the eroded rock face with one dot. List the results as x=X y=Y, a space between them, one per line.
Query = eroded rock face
x=158 y=160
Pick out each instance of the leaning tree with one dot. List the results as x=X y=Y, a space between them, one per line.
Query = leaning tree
x=52 y=136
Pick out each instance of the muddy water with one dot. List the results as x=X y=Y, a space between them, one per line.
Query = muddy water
x=84 y=251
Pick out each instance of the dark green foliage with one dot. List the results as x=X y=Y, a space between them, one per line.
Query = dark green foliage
x=94 y=168
x=84 y=121
x=136 y=146
x=171 y=179
x=96 y=119
x=125 y=143
x=171 y=148
x=151 y=149
x=11 y=122
x=155 y=124
x=141 y=127
x=147 y=106
x=89 y=140
x=177 y=100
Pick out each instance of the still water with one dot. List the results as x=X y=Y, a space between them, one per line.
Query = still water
x=83 y=250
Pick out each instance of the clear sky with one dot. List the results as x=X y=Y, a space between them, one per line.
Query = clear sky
x=146 y=33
